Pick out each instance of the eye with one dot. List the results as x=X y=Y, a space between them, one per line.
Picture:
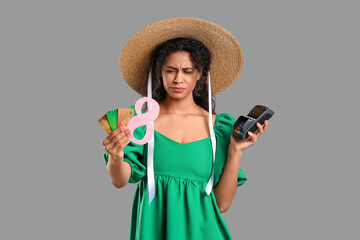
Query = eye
x=188 y=70
x=169 y=71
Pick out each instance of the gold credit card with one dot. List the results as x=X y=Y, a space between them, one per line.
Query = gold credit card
x=124 y=116
x=105 y=123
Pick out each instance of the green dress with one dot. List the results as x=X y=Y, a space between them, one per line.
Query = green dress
x=180 y=210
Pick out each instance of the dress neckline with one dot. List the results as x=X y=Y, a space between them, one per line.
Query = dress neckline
x=216 y=118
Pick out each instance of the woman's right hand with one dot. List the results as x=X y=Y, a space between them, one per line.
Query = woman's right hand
x=115 y=143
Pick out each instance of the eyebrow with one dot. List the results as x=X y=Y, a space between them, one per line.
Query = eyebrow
x=187 y=68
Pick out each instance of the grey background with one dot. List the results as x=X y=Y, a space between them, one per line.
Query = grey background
x=60 y=74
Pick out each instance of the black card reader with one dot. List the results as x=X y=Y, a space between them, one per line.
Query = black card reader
x=247 y=123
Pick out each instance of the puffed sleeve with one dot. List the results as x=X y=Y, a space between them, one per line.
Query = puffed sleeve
x=223 y=129
x=135 y=155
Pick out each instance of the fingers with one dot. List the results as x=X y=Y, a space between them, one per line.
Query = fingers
x=121 y=142
x=116 y=141
x=261 y=129
x=117 y=148
x=265 y=125
x=116 y=134
x=252 y=138
x=111 y=135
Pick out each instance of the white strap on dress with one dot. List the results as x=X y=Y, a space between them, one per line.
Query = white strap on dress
x=210 y=183
x=150 y=153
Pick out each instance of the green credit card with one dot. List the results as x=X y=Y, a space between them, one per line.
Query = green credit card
x=112 y=118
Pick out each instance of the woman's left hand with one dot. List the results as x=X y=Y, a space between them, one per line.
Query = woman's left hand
x=240 y=144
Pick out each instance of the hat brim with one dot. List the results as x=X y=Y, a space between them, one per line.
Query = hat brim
x=227 y=56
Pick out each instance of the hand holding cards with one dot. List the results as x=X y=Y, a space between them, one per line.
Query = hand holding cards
x=125 y=117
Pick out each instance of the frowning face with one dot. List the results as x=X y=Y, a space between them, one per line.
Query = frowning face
x=179 y=75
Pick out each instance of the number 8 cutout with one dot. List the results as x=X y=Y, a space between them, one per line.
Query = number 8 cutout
x=143 y=119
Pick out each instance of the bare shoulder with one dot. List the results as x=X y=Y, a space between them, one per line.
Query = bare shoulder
x=206 y=114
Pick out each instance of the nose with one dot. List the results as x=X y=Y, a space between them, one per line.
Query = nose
x=178 y=77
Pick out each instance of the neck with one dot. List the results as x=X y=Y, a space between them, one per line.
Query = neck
x=179 y=106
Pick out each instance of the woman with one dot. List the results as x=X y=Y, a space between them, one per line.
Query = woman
x=195 y=157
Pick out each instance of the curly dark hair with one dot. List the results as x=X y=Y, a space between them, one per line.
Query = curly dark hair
x=202 y=59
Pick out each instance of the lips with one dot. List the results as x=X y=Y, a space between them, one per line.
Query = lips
x=178 y=89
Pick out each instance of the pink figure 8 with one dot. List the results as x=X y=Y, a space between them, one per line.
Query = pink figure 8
x=143 y=119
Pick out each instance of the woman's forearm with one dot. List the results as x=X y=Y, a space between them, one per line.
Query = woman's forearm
x=119 y=172
x=226 y=188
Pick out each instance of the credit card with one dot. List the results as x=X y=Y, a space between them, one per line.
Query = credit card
x=112 y=118
x=105 y=123
x=124 y=116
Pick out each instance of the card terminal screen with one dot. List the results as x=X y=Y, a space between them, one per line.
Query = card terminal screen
x=256 y=112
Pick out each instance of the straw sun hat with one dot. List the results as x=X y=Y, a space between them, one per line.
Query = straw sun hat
x=227 y=57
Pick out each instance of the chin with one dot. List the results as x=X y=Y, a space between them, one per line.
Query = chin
x=177 y=96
